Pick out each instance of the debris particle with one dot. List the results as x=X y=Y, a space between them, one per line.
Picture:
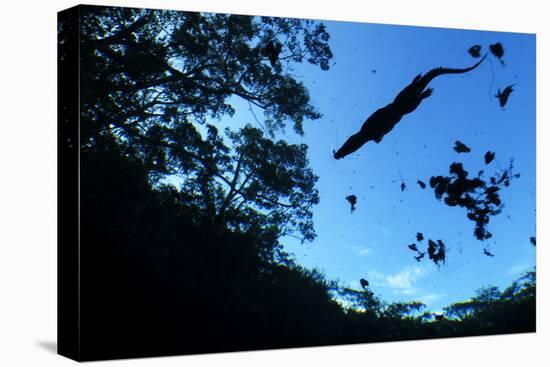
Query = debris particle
x=498 y=51
x=461 y=147
x=504 y=95
x=413 y=247
x=352 y=199
x=436 y=251
x=489 y=156
x=475 y=51
x=487 y=253
x=420 y=256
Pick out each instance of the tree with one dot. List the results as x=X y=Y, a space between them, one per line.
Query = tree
x=154 y=82
x=495 y=311
x=259 y=186
x=145 y=68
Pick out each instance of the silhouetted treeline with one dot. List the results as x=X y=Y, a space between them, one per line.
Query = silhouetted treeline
x=157 y=282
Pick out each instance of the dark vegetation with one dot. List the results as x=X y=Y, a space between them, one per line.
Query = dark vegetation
x=181 y=223
x=478 y=197
x=435 y=249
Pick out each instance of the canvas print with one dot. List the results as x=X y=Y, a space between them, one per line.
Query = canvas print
x=232 y=183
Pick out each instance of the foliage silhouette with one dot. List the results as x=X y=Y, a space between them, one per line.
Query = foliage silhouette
x=145 y=69
x=480 y=198
x=352 y=200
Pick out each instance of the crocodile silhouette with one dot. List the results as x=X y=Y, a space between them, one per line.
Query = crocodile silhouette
x=383 y=120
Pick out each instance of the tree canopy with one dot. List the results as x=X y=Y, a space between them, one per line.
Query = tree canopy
x=155 y=83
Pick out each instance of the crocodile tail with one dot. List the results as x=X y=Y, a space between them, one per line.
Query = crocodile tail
x=440 y=71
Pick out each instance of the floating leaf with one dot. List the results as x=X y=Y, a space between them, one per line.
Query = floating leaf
x=413 y=247
x=487 y=253
x=352 y=199
x=504 y=95
x=461 y=147
x=497 y=50
x=475 y=51
x=489 y=156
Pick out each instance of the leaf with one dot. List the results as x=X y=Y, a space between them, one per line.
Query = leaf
x=413 y=247
x=504 y=95
x=352 y=199
x=497 y=50
x=461 y=147
x=475 y=51
x=489 y=156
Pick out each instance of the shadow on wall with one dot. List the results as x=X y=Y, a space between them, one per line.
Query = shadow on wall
x=50 y=346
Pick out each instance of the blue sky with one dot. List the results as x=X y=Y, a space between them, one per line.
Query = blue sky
x=372 y=63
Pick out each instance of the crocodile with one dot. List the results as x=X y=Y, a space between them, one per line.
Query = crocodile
x=383 y=120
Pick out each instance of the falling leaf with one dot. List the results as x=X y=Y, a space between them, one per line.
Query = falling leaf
x=533 y=241
x=352 y=199
x=487 y=253
x=421 y=184
x=403 y=186
x=504 y=95
x=436 y=251
x=475 y=51
x=419 y=236
x=420 y=256
x=489 y=156
x=497 y=50
x=480 y=199
x=413 y=247
x=461 y=147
